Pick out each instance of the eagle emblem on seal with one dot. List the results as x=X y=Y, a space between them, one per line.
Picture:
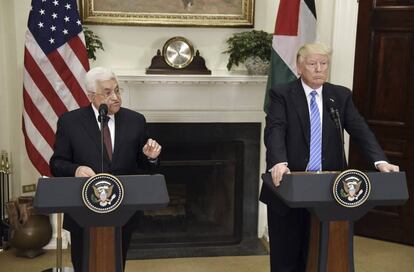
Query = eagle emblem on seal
x=352 y=189
x=103 y=193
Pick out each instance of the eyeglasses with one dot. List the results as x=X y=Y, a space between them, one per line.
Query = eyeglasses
x=107 y=94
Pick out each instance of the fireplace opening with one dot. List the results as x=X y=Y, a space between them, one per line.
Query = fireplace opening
x=203 y=182
x=212 y=177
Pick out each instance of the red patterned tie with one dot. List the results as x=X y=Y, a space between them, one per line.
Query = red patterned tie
x=107 y=141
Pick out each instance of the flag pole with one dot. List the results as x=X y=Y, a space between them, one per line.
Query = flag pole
x=59 y=267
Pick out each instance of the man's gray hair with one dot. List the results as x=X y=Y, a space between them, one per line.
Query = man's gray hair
x=312 y=48
x=97 y=74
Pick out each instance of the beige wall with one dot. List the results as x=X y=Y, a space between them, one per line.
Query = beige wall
x=4 y=94
x=127 y=47
x=3 y=87
x=11 y=139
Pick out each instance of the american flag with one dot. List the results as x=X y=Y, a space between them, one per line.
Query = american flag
x=55 y=63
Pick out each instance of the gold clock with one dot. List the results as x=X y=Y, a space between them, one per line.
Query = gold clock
x=178 y=52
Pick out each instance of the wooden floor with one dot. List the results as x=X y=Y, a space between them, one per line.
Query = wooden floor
x=370 y=255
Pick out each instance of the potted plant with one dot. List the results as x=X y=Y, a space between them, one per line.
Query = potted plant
x=253 y=48
x=93 y=43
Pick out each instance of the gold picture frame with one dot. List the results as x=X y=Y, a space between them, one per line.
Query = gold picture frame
x=208 y=13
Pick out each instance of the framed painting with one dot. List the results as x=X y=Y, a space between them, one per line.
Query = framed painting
x=216 y=13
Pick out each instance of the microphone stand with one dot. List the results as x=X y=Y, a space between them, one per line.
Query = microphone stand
x=103 y=121
x=102 y=118
x=59 y=267
x=335 y=115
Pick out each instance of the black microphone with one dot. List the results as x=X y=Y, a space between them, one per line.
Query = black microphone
x=333 y=111
x=103 y=112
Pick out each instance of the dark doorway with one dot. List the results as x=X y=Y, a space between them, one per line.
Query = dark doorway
x=212 y=176
x=384 y=94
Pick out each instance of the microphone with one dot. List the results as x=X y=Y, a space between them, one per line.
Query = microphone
x=103 y=112
x=102 y=118
x=334 y=113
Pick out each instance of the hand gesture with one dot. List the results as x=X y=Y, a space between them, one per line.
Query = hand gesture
x=151 y=149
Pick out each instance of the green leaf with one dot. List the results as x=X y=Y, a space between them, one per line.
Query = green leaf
x=254 y=43
x=93 y=43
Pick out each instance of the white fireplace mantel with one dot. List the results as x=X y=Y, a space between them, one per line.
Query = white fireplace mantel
x=217 y=77
x=220 y=97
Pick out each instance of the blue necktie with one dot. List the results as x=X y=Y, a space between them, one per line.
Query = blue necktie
x=315 y=136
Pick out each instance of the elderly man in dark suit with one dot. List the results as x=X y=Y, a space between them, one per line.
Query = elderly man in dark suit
x=77 y=150
x=301 y=136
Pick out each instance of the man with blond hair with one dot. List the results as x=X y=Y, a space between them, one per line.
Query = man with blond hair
x=300 y=135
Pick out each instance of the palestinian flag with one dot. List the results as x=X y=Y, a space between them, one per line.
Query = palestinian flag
x=295 y=26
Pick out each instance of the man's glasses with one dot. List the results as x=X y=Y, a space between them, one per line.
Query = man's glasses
x=107 y=94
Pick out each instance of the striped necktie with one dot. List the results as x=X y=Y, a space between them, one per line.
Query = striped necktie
x=315 y=136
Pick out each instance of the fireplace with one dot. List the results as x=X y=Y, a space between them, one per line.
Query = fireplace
x=212 y=176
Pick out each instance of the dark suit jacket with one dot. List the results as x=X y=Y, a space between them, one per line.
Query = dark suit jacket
x=287 y=131
x=78 y=142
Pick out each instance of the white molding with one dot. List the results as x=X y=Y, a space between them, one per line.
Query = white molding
x=217 y=77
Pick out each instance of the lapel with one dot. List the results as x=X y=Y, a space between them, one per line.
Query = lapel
x=328 y=125
x=119 y=133
x=301 y=107
x=91 y=126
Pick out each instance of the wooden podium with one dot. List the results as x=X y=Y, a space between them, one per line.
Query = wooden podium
x=102 y=231
x=331 y=234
